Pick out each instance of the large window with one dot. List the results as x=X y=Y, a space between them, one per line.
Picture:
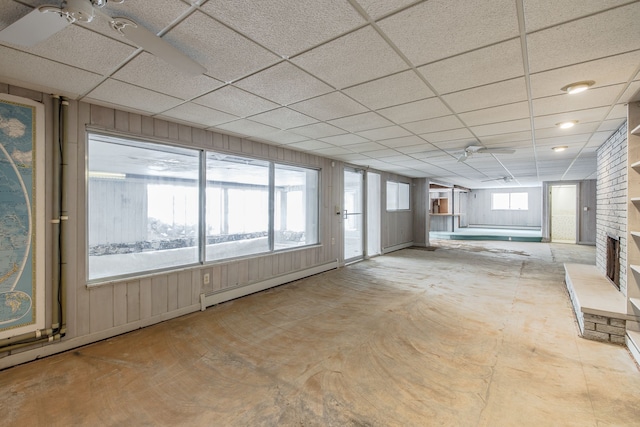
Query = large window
x=145 y=202
x=398 y=196
x=510 y=201
x=142 y=207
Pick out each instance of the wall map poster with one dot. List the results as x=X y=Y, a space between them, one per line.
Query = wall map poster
x=21 y=216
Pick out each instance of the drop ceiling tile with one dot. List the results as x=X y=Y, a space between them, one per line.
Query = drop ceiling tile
x=544 y=13
x=329 y=106
x=586 y=39
x=498 y=62
x=281 y=137
x=151 y=72
x=95 y=53
x=246 y=127
x=438 y=29
x=132 y=97
x=287 y=27
x=598 y=138
x=379 y=8
x=580 y=128
x=235 y=101
x=283 y=118
x=351 y=157
x=366 y=146
x=351 y=59
x=449 y=135
x=632 y=94
x=380 y=154
x=10 y=12
x=384 y=133
x=419 y=151
x=332 y=151
x=414 y=111
x=284 y=83
x=503 y=113
x=392 y=90
x=582 y=116
x=605 y=72
x=225 y=54
x=506 y=92
x=310 y=145
x=198 y=115
x=404 y=141
x=619 y=111
x=610 y=125
x=346 y=139
x=44 y=75
x=361 y=122
x=318 y=130
x=592 y=98
x=509 y=127
x=434 y=125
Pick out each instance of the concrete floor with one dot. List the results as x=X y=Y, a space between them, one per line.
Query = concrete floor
x=473 y=333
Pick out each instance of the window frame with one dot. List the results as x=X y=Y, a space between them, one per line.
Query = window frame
x=399 y=206
x=201 y=184
x=510 y=203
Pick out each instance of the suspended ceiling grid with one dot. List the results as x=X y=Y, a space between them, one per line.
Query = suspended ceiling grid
x=396 y=85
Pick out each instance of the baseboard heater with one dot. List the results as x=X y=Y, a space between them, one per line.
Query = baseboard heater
x=241 y=291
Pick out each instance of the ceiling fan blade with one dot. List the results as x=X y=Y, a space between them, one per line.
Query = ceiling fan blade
x=36 y=26
x=155 y=45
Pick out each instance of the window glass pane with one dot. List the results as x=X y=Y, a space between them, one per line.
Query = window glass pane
x=403 y=195
x=142 y=206
x=519 y=201
x=392 y=196
x=237 y=208
x=499 y=201
x=295 y=206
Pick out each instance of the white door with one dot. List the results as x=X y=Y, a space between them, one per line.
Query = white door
x=353 y=215
x=563 y=213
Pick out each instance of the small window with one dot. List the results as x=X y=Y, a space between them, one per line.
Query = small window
x=398 y=196
x=510 y=201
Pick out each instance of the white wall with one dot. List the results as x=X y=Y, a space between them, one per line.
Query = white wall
x=480 y=213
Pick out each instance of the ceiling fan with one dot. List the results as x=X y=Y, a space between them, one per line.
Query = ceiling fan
x=502 y=178
x=477 y=149
x=44 y=21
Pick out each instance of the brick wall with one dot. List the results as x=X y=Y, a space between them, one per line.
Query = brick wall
x=611 y=195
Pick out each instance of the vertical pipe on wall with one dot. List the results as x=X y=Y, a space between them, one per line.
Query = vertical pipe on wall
x=55 y=222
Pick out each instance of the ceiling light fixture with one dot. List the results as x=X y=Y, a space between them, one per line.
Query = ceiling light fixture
x=567 y=124
x=559 y=148
x=577 y=87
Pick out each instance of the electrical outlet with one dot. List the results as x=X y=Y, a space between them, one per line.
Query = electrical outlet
x=206 y=278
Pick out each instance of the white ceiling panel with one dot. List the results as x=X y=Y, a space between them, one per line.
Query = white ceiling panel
x=378 y=8
x=502 y=61
x=384 y=154
x=585 y=39
x=150 y=72
x=235 y=101
x=556 y=132
x=329 y=106
x=618 y=111
x=449 y=135
x=414 y=111
x=632 y=93
x=363 y=55
x=366 y=147
x=384 y=133
x=539 y=14
x=332 y=151
x=361 y=122
x=582 y=116
x=287 y=27
x=510 y=127
x=284 y=83
x=281 y=137
x=45 y=75
x=434 y=125
x=593 y=98
x=604 y=72
x=346 y=139
x=404 y=141
x=311 y=144
x=318 y=130
x=450 y=27
x=197 y=114
x=609 y=126
x=393 y=90
x=132 y=97
x=247 y=127
x=227 y=55
x=283 y=118
x=508 y=112
x=506 y=92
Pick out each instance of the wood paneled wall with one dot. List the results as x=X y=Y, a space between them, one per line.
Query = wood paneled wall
x=480 y=213
x=111 y=308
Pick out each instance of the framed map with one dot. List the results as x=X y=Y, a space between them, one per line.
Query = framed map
x=22 y=216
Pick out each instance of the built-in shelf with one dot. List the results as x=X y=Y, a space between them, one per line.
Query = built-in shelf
x=635 y=302
x=635 y=233
x=636 y=130
x=635 y=165
x=635 y=199
x=635 y=268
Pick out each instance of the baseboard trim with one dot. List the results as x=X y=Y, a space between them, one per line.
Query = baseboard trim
x=397 y=247
x=241 y=291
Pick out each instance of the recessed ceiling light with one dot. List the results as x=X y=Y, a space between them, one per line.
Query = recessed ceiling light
x=567 y=124
x=559 y=148
x=577 y=87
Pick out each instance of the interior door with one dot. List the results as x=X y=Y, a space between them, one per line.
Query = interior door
x=563 y=214
x=353 y=215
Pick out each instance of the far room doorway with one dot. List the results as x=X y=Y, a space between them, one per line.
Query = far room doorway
x=563 y=213
x=353 y=214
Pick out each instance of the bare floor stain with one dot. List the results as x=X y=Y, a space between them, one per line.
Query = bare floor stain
x=465 y=335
